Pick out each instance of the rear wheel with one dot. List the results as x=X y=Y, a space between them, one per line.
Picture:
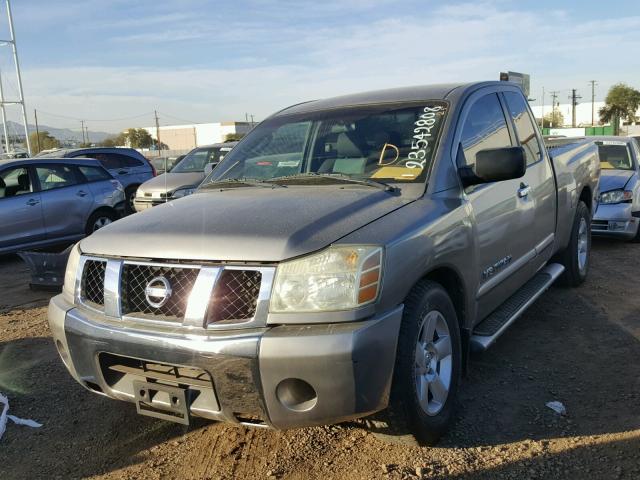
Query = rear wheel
x=576 y=257
x=99 y=219
x=130 y=196
x=428 y=368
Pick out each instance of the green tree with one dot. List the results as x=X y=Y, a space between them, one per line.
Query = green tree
x=42 y=141
x=622 y=103
x=553 y=119
x=233 y=137
x=114 y=141
x=138 y=138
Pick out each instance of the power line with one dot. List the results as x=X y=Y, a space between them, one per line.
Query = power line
x=94 y=120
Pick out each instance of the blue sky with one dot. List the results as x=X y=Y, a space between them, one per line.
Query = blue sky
x=201 y=60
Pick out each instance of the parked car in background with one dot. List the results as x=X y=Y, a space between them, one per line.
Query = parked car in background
x=618 y=214
x=47 y=201
x=343 y=258
x=127 y=165
x=165 y=164
x=183 y=178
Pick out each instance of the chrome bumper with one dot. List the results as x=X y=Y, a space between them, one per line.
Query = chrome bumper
x=617 y=220
x=259 y=376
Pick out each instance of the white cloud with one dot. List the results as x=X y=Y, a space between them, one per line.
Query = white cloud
x=290 y=62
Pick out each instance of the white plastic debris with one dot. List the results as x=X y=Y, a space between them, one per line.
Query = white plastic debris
x=4 y=416
x=557 y=407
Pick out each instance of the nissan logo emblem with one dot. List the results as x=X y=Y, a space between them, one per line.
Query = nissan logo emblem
x=157 y=292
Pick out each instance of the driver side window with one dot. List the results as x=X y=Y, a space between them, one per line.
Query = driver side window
x=14 y=182
x=485 y=127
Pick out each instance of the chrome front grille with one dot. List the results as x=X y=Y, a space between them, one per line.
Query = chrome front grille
x=212 y=297
x=93 y=282
x=134 y=280
x=235 y=296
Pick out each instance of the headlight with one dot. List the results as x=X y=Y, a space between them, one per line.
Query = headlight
x=338 y=278
x=616 y=196
x=69 y=288
x=183 y=192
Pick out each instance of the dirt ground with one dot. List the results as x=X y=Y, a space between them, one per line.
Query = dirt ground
x=580 y=347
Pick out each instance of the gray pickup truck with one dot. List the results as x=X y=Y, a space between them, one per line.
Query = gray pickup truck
x=342 y=260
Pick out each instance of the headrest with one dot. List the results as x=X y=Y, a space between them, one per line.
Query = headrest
x=346 y=147
x=23 y=181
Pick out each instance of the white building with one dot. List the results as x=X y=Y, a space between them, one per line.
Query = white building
x=186 y=137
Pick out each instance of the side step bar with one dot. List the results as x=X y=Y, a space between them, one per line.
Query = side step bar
x=488 y=331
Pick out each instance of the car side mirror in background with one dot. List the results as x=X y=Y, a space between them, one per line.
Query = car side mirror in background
x=208 y=168
x=494 y=165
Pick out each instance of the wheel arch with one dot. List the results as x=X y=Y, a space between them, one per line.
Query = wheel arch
x=587 y=197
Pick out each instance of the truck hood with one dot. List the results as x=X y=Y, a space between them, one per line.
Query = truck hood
x=174 y=181
x=250 y=224
x=614 y=179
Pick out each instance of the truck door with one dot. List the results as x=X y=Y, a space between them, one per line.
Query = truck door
x=538 y=179
x=503 y=212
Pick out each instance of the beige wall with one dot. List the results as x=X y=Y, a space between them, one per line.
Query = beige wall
x=186 y=137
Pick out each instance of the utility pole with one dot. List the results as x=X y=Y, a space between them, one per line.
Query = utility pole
x=251 y=120
x=593 y=102
x=82 y=128
x=158 y=144
x=87 y=130
x=554 y=97
x=35 y=115
x=574 y=103
x=542 y=112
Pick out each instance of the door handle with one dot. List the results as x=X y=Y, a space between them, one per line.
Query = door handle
x=123 y=172
x=32 y=201
x=81 y=193
x=523 y=191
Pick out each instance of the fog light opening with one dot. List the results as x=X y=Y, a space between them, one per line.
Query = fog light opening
x=63 y=353
x=296 y=395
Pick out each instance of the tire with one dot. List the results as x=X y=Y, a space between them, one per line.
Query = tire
x=129 y=197
x=410 y=419
x=576 y=257
x=99 y=219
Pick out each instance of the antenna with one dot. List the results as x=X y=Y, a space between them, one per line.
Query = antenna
x=20 y=101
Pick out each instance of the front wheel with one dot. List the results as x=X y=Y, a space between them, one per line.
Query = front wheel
x=428 y=368
x=576 y=257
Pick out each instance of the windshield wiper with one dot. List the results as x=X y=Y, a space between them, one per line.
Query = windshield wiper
x=239 y=182
x=337 y=176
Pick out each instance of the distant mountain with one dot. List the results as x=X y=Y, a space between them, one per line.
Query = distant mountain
x=62 y=134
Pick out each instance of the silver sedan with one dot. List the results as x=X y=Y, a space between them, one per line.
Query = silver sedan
x=618 y=214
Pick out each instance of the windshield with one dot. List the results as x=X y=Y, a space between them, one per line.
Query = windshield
x=385 y=143
x=197 y=159
x=614 y=155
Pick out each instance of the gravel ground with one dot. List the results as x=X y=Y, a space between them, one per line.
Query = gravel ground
x=580 y=347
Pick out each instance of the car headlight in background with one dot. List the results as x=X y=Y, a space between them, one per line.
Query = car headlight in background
x=69 y=287
x=183 y=192
x=338 y=278
x=616 y=196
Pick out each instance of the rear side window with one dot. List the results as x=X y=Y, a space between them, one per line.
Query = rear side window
x=55 y=176
x=485 y=127
x=525 y=130
x=94 y=174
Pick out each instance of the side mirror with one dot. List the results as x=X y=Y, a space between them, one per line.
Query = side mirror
x=208 y=168
x=494 y=165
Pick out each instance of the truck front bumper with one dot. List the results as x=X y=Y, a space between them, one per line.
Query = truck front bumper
x=282 y=376
x=615 y=220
